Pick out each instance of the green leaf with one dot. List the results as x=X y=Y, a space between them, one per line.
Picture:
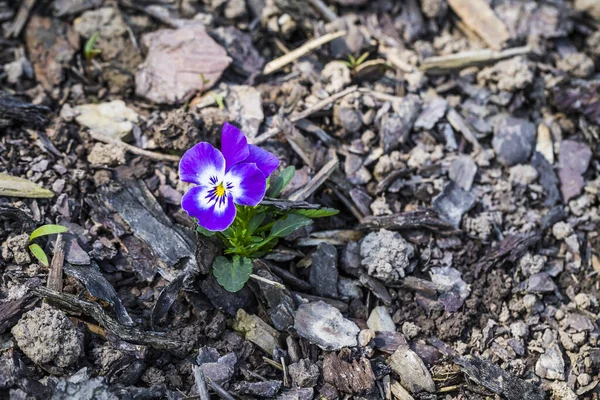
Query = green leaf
x=38 y=253
x=255 y=222
x=281 y=181
x=232 y=275
x=89 y=50
x=47 y=230
x=205 y=231
x=321 y=212
x=291 y=223
x=362 y=58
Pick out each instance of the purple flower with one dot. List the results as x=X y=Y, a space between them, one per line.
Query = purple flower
x=235 y=175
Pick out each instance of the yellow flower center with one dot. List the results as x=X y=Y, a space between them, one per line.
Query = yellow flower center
x=220 y=190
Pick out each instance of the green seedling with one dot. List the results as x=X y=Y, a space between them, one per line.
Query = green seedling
x=43 y=230
x=220 y=99
x=354 y=63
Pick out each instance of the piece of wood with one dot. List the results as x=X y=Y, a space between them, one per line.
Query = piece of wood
x=443 y=64
x=12 y=186
x=316 y=182
x=307 y=47
x=56 y=266
x=200 y=383
x=479 y=17
x=22 y=16
x=132 y=149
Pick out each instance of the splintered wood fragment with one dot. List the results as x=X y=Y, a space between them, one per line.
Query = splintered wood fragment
x=12 y=186
x=427 y=219
x=22 y=16
x=56 y=267
x=316 y=182
x=325 y=11
x=200 y=383
x=444 y=64
x=458 y=123
x=132 y=149
x=479 y=16
x=307 y=47
x=336 y=237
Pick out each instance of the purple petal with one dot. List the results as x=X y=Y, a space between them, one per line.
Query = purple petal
x=201 y=163
x=233 y=145
x=265 y=161
x=212 y=215
x=248 y=184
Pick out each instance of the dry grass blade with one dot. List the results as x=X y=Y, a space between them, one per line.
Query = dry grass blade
x=444 y=64
x=132 y=149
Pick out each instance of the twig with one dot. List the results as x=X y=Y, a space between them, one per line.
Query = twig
x=273 y=363
x=222 y=393
x=200 y=383
x=443 y=64
x=132 y=149
x=301 y=115
x=293 y=55
x=317 y=180
x=325 y=11
x=56 y=267
x=22 y=16
x=267 y=281
x=285 y=373
x=458 y=123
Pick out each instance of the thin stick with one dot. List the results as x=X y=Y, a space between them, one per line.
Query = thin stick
x=22 y=16
x=200 y=383
x=267 y=281
x=316 y=181
x=325 y=11
x=452 y=62
x=56 y=267
x=293 y=55
x=301 y=115
x=132 y=149
x=285 y=373
x=273 y=363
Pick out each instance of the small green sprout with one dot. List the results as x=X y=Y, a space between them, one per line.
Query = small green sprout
x=220 y=99
x=89 y=50
x=354 y=63
x=43 y=230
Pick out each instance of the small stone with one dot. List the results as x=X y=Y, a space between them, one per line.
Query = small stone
x=304 y=373
x=579 y=323
x=46 y=335
x=337 y=74
x=413 y=373
x=257 y=331
x=513 y=140
x=574 y=160
x=453 y=202
x=113 y=119
x=432 y=112
x=519 y=329
x=106 y=155
x=410 y=330
x=380 y=320
x=244 y=104
x=325 y=326
x=523 y=174
x=551 y=365
x=580 y=65
x=351 y=259
x=561 y=230
x=106 y=21
x=462 y=172
x=386 y=255
x=365 y=336
x=16 y=249
x=220 y=370
x=324 y=270
x=583 y=301
x=507 y=75
x=544 y=143
x=396 y=127
x=349 y=118
x=562 y=391
x=349 y=288
x=584 y=379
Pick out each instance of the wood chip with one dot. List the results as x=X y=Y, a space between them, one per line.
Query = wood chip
x=480 y=17
x=12 y=186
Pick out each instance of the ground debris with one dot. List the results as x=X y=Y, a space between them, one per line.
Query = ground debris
x=386 y=255
x=325 y=326
x=498 y=380
x=165 y=76
x=413 y=373
x=352 y=378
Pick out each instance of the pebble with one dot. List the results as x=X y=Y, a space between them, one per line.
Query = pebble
x=551 y=365
x=413 y=373
x=386 y=255
x=561 y=230
x=113 y=118
x=325 y=326
x=380 y=320
x=462 y=172
x=324 y=270
x=304 y=373
x=513 y=140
